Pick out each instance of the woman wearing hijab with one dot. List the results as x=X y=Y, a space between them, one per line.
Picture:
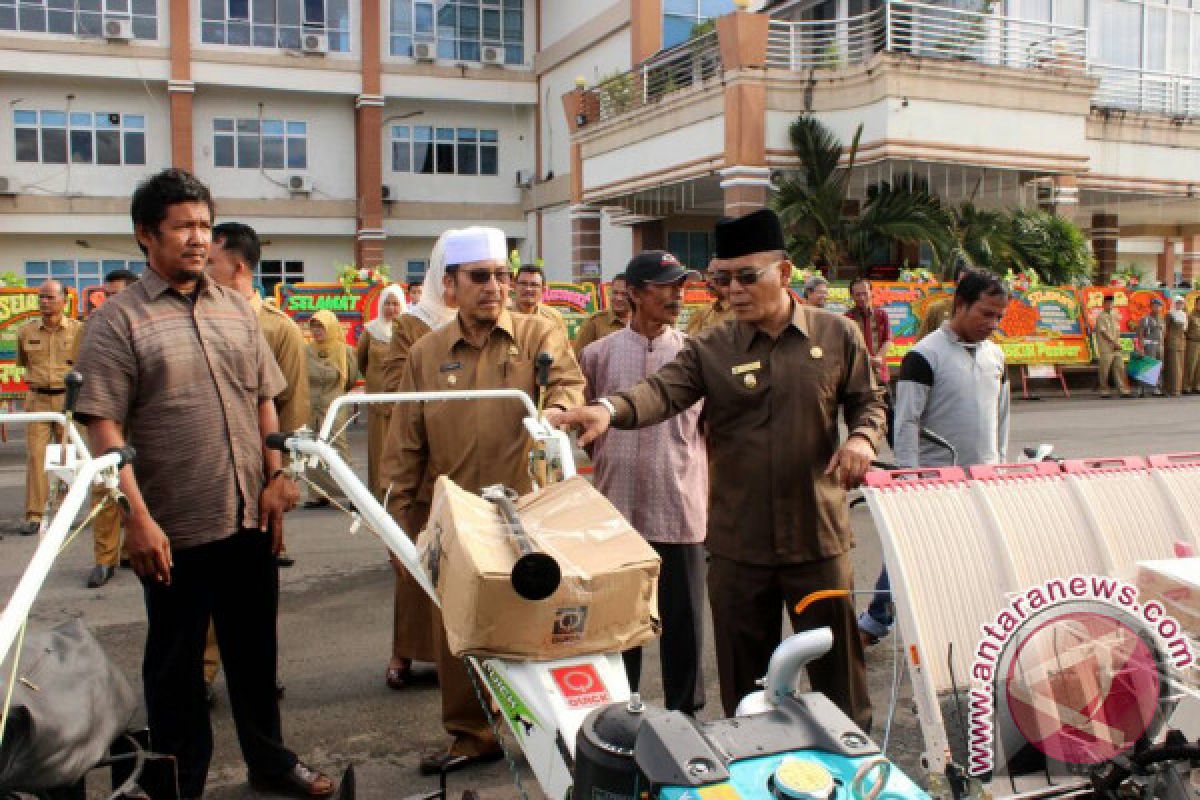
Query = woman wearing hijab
x=370 y=355
x=331 y=374
x=1175 y=344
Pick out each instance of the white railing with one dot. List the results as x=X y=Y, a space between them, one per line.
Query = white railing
x=685 y=66
x=929 y=31
x=1142 y=90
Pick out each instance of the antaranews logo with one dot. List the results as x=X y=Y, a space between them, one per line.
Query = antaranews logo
x=1077 y=668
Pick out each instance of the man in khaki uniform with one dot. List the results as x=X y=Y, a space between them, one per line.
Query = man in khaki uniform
x=610 y=320
x=531 y=287
x=716 y=313
x=1191 y=377
x=483 y=347
x=106 y=527
x=46 y=349
x=1109 y=363
x=772 y=384
x=1175 y=344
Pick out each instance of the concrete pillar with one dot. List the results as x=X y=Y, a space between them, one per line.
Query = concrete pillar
x=585 y=243
x=651 y=235
x=746 y=189
x=645 y=29
x=1191 y=259
x=1105 y=233
x=368 y=176
x=180 y=88
x=1061 y=193
x=1166 y=262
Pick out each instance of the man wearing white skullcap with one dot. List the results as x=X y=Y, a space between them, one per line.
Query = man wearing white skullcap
x=480 y=443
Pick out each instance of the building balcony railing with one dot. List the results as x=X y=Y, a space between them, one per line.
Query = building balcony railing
x=927 y=31
x=1125 y=88
x=685 y=66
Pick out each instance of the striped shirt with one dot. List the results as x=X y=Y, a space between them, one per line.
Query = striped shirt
x=185 y=375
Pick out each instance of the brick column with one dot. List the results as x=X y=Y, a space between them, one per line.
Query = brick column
x=1062 y=191
x=180 y=88
x=645 y=29
x=746 y=179
x=585 y=242
x=368 y=175
x=1166 y=262
x=1191 y=259
x=1105 y=233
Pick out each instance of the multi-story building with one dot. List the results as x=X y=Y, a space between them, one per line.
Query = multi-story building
x=354 y=132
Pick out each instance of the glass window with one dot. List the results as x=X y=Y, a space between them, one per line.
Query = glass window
x=266 y=144
x=415 y=269
x=445 y=151
x=270 y=273
x=82 y=19
x=77 y=274
x=460 y=28
x=680 y=16
x=274 y=23
x=1156 y=39
x=1118 y=33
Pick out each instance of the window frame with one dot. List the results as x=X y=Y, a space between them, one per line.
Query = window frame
x=442 y=23
x=84 y=21
x=67 y=270
x=75 y=128
x=274 y=24
x=231 y=133
x=287 y=271
x=419 y=149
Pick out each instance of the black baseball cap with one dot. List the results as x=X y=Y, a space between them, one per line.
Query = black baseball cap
x=656 y=266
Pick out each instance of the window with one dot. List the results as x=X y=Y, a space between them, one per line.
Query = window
x=85 y=137
x=692 y=248
x=460 y=30
x=260 y=143
x=77 y=274
x=78 y=17
x=414 y=270
x=272 y=273
x=680 y=16
x=274 y=23
x=427 y=150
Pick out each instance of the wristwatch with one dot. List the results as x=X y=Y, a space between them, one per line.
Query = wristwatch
x=606 y=403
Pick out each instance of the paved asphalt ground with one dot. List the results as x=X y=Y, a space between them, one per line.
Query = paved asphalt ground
x=335 y=616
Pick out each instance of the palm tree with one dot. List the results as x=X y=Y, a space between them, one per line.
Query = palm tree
x=978 y=238
x=814 y=207
x=1052 y=246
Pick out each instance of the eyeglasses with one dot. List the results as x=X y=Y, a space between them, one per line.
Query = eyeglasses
x=481 y=276
x=746 y=277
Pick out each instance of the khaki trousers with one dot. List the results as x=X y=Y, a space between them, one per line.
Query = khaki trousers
x=462 y=715
x=37 y=436
x=1172 y=382
x=106 y=532
x=1110 y=367
x=1191 y=371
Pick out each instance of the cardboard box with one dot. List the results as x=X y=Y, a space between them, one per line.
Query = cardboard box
x=608 y=598
x=1175 y=583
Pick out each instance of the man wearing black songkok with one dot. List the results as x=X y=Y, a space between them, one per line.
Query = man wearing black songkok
x=772 y=384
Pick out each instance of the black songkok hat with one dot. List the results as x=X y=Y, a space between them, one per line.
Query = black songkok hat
x=757 y=232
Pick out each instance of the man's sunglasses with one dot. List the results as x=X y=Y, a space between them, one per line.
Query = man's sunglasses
x=746 y=277
x=481 y=276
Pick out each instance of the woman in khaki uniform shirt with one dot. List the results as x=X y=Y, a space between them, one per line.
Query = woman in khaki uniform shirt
x=412 y=634
x=371 y=357
x=331 y=374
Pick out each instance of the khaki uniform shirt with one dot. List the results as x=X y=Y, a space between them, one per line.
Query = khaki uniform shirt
x=936 y=313
x=406 y=330
x=476 y=443
x=708 y=317
x=1176 y=335
x=1107 y=336
x=286 y=344
x=549 y=313
x=597 y=326
x=186 y=376
x=47 y=354
x=1193 y=328
x=772 y=427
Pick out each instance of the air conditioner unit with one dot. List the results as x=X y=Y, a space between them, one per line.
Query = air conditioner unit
x=6 y=186
x=493 y=54
x=524 y=178
x=389 y=194
x=315 y=43
x=118 y=29
x=299 y=184
x=424 y=51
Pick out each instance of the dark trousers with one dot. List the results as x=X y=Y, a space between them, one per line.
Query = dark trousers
x=235 y=581
x=681 y=648
x=746 y=600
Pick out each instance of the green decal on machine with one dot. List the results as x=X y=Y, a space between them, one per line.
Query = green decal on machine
x=520 y=718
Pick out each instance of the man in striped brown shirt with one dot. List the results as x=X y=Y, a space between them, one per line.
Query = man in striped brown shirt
x=181 y=364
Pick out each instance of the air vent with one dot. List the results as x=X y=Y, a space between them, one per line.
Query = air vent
x=118 y=29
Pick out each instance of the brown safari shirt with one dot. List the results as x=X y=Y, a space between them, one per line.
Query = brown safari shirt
x=286 y=343
x=595 y=327
x=772 y=414
x=405 y=332
x=185 y=378
x=476 y=443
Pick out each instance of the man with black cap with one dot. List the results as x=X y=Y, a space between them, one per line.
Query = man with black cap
x=658 y=477
x=772 y=382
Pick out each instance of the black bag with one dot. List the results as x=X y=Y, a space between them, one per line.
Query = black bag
x=69 y=704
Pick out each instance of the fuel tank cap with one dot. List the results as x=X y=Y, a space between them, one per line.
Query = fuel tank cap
x=802 y=779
